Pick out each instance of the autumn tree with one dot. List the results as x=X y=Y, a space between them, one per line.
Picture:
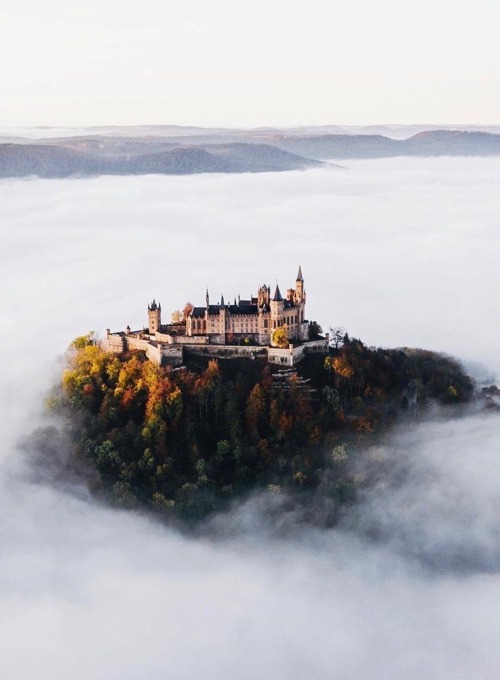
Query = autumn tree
x=280 y=337
x=255 y=412
x=84 y=340
x=188 y=308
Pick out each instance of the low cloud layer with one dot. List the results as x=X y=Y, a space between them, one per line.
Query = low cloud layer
x=401 y=253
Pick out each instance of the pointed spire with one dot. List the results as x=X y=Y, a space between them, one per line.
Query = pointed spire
x=277 y=295
x=299 y=274
x=207 y=298
x=222 y=300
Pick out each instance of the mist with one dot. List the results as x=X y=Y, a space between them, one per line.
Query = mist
x=400 y=252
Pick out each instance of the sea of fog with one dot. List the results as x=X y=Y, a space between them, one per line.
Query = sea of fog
x=399 y=252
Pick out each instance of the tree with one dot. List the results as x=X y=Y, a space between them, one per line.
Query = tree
x=315 y=329
x=188 y=308
x=332 y=398
x=337 y=336
x=342 y=366
x=176 y=316
x=280 y=337
x=84 y=341
x=255 y=413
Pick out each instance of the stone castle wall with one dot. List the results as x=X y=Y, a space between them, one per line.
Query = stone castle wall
x=181 y=339
x=248 y=351
x=113 y=343
x=174 y=353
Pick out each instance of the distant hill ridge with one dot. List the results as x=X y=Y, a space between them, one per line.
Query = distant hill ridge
x=225 y=151
x=428 y=143
x=65 y=159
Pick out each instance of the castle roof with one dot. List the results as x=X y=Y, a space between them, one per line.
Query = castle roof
x=299 y=274
x=242 y=309
x=277 y=295
x=198 y=312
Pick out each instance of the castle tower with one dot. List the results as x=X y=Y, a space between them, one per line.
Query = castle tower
x=154 y=317
x=277 y=308
x=300 y=293
x=263 y=296
x=223 y=319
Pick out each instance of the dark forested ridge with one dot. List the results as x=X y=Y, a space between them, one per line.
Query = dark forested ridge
x=79 y=159
x=185 y=442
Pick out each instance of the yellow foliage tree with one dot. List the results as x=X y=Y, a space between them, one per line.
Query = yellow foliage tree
x=342 y=366
x=280 y=337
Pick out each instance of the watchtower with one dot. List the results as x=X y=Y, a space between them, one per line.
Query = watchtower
x=154 y=317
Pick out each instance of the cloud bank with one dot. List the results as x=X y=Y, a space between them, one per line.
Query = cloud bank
x=401 y=253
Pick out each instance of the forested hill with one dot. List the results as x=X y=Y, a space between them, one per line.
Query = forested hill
x=186 y=442
x=70 y=159
x=424 y=144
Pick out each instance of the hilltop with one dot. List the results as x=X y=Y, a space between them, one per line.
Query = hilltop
x=185 y=442
x=92 y=157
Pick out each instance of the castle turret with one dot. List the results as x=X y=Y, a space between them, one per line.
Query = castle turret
x=223 y=319
x=300 y=294
x=263 y=296
x=277 y=308
x=154 y=317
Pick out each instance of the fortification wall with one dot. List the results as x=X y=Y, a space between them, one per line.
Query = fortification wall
x=172 y=354
x=320 y=345
x=287 y=356
x=247 y=351
x=292 y=355
x=168 y=352
x=113 y=344
x=153 y=352
x=217 y=338
x=157 y=353
x=181 y=339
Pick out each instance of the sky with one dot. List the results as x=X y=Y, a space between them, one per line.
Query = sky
x=266 y=62
x=398 y=251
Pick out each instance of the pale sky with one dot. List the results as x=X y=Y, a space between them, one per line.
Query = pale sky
x=265 y=62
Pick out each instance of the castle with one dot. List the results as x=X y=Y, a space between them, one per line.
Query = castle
x=275 y=326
